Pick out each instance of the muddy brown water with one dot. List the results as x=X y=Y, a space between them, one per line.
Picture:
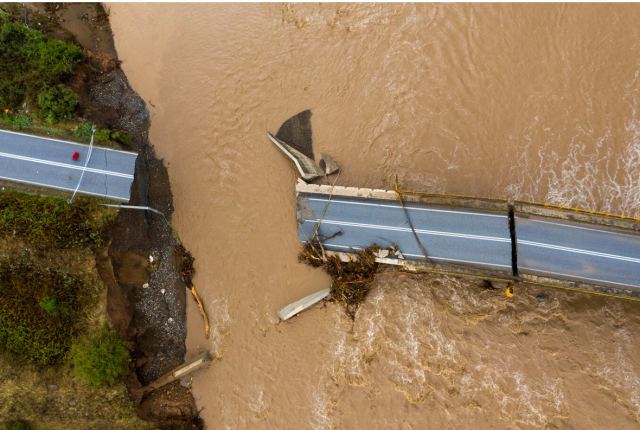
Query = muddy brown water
x=536 y=102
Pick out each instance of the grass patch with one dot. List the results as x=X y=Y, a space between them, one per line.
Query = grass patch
x=20 y=121
x=51 y=305
x=53 y=399
x=45 y=294
x=15 y=425
x=350 y=280
x=49 y=298
x=100 y=358
x=50 y=222
x=41 y=310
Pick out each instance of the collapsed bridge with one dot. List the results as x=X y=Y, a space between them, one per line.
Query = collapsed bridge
x=487 y=238
x=490 y=239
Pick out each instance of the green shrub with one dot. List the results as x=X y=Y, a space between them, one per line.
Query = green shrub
x=50 y=222
x=83 y=132
x=102 y=135
x=100 y=358
x=30 y=61
x=15 y=425
x=18 y=121
x=26 y=327
x=121 y=137
x=22 y=121
x=57 y=103
x=50 y=305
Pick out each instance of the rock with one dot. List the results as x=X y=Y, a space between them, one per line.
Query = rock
x=186 y=381
x=111 y=92
x=73 y=402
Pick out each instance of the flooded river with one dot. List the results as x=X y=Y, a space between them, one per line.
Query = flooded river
x=536 y=102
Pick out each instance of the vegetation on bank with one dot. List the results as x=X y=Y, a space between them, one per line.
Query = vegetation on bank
x=61 y=366
x=15 y=425
x=42 y=307
x=50 y=222
x=100 y=358
x=32 y=69
x=54 y=399
x=34 y=92
x=59 y=362
x=41 y=310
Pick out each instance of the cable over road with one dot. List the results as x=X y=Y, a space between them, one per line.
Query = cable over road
x=58 y=164
x=476 y=236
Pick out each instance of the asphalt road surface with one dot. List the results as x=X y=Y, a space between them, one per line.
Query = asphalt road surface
x=49 y=163
x=456 y=236
x=561 y=249
x=546 y=247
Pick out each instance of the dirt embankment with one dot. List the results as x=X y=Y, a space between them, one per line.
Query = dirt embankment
x=146 y=295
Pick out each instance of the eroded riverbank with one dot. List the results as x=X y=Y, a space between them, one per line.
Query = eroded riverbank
x=152 y=319
x=73 y=272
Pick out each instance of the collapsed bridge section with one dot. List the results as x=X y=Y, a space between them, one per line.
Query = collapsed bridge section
x=525 y=242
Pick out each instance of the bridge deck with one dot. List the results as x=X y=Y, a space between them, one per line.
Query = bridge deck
x=469 y=237
x=572 y=250
x=548 y=247
x=48 y=163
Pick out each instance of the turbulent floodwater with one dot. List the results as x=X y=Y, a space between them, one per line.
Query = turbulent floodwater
x=536 y=102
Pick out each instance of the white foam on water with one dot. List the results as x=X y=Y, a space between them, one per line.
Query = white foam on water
x=321 y=409
x=524 y=400
x=220 y=323
x=258 y=403
x=593 y=174
x=619 y=373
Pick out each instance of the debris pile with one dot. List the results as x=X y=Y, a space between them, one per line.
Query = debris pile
x=351 y=279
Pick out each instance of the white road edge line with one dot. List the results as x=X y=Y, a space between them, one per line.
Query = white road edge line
x=338 y=201
x=64 y=165
x=575 y=277
x=64 y=188
x=476 y=237
x=408 y=230
x=630 y=234
x=579 y=251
